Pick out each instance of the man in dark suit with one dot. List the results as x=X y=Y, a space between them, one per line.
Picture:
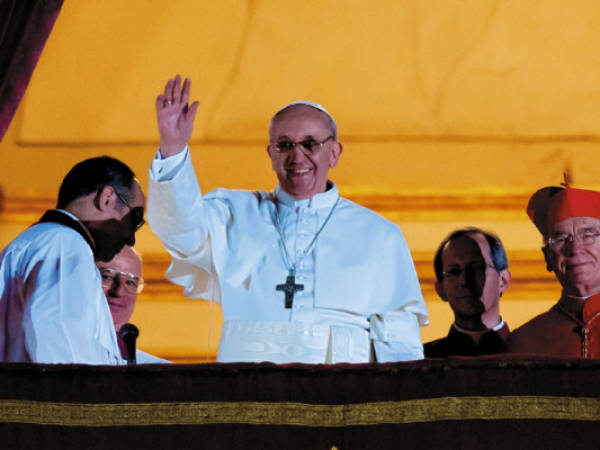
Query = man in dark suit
x=472 y=274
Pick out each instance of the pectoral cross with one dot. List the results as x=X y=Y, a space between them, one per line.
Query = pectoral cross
x=290 y=287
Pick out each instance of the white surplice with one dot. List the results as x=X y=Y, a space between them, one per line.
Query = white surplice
x=360 y=287
x=52 y=307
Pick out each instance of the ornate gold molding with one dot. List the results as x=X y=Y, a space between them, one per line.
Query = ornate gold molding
x=401 y=206
x=436 y=205
x=530 y=279
x=24 y=210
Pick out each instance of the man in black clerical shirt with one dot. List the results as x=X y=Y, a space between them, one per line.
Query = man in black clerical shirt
x=472 y=274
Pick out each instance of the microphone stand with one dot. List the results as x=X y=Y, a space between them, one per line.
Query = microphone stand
x=129 y=333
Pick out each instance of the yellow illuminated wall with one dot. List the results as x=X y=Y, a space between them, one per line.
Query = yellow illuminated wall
x=451 y=113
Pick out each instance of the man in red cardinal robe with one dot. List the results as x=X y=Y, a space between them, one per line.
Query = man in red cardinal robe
x=569 y=221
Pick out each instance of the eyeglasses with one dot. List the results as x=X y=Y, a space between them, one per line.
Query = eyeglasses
x=308 y=146
x=586 y=237
x=111 y=278
x=471 y=269
x=137 y=213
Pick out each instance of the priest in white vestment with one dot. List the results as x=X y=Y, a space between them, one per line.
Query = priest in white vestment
x=52 y=307
x=302 y=274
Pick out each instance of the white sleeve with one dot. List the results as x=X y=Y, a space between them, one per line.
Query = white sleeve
x=395 y=325
x=180 y=216
x=176 y=211
x=396 y=336
x=66 y=318
x=164 y=169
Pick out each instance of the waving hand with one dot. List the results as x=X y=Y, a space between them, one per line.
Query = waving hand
x=175 y=117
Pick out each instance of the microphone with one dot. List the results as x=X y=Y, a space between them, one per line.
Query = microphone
x=129 y=333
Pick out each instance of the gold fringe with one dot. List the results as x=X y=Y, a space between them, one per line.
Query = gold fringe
x=207 y=413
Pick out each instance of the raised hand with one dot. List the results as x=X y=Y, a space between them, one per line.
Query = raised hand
x=175 y=117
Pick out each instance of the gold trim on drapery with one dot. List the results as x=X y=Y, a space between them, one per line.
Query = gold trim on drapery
x=300 y=414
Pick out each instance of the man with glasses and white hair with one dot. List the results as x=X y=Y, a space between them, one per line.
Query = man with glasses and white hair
x=569 y=221
x=472 y=274
x=52 y=308
x=302 y=274
x=122 y=282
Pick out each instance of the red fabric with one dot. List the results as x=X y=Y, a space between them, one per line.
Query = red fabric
x=591 y=308
x=553 y=204
x=24 y=28
x=561 y=331
x=591 y=330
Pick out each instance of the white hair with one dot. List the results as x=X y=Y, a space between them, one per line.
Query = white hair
x=314 y=105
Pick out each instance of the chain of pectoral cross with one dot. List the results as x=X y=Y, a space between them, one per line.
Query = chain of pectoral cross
x=290 y=287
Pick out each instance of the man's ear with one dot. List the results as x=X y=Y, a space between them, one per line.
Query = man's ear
x=547 y=259
x=270 y=153
x=105 y=199
x=439 y=288
x=336 y=151
x=504 y=281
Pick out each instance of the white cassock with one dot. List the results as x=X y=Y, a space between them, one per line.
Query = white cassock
x=52 y=308
x=361 y=292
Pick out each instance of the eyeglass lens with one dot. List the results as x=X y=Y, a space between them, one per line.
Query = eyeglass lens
x=477 y=268
x=111 y=278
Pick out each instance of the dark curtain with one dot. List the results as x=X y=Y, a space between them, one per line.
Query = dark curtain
x=24 y=28
x=493 y=403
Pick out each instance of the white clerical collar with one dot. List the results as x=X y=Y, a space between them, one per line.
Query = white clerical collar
x=322 y=200
x=67 y=213
x=476 y=335
x=585 y=297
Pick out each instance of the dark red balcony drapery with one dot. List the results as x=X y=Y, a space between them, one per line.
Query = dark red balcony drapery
x=24 y=28
x=457 y=403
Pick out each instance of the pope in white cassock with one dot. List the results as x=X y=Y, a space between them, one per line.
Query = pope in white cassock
x=302 y=274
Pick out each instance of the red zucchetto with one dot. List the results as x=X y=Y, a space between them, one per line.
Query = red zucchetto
x=553 y=204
